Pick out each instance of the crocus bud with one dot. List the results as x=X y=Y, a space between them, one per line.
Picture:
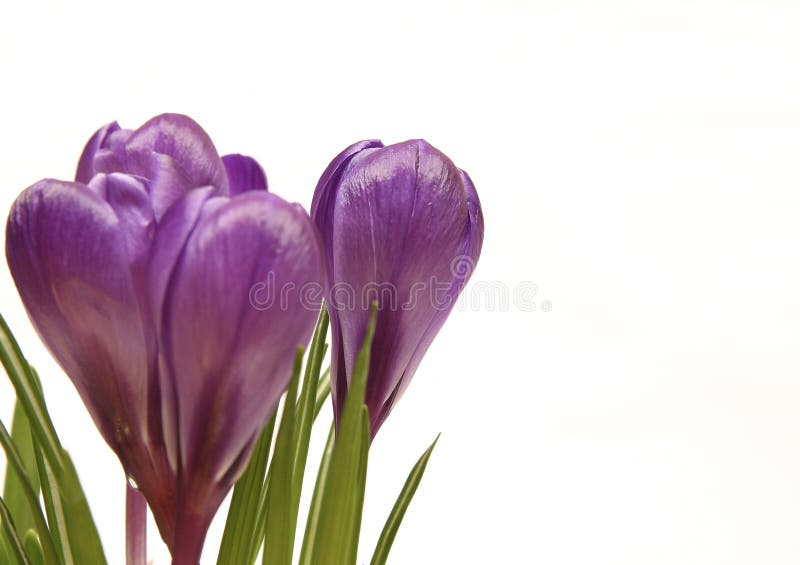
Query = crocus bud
x=137 y=277
x=401 y=225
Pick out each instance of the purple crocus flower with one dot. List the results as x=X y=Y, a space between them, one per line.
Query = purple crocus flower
x=401 y=225
x=137 y=277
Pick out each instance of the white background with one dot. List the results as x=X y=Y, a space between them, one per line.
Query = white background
x=637 y=161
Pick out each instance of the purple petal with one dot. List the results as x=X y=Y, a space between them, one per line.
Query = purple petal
x=244 y=173
x=111 y=158
x=181 y=138
x=129 y=199
x=70 y=261
x=169 y=182
x=230 y=355
x=401 y=225
x=461 y=269
x=172 y=233
x=322 y=212
x=86 y=168
x=326 y=187
x=475 y=215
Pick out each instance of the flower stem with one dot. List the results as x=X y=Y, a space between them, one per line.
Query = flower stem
x=135 y=527
x=189 y=537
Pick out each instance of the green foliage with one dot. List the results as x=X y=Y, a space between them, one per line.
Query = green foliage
x=14 y=551
x=336 y=538
x=312 y=522
x=69 y=534
x=279 y=521
x=13 y=489
x=16 y=463
x=33 y=548
x=389 y=532
x=239 y=540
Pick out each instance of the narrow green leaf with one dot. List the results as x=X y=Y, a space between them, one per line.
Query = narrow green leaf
x=82 y=538
x=16 y=463
x=84 y=541
x=68 y=513
x=277 y=543
x=400 y=506
x=306 y=404
x=13 y=490
x=33 y=548
x=14 y=545
x=336 y=538
x=323 y=391
x=261 y=518
x=239 y=535
x=55 y=515
x=25 y=385
x=361 y=484
x=4 y=551
x=55 y=511
x=304 y=420
x=314 y=510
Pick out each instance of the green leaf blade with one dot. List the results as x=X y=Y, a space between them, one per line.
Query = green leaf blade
x=31 y=497
x=315 y=509
x=338 y=528
x=78 y=534
x=16 y=552
x=277 y=507
x=305 y=417
x=361 y=484
x=381 y=553
x=84 y=540
x=28 y=394
x=239 y=537
x=33 y=548
x=13 y=489
x=323 y=391
x=55 y=511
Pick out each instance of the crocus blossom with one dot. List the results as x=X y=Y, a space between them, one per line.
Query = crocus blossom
x=137 y=277
x=401 y=225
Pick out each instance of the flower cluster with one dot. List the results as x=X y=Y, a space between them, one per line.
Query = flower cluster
x=138 y=277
